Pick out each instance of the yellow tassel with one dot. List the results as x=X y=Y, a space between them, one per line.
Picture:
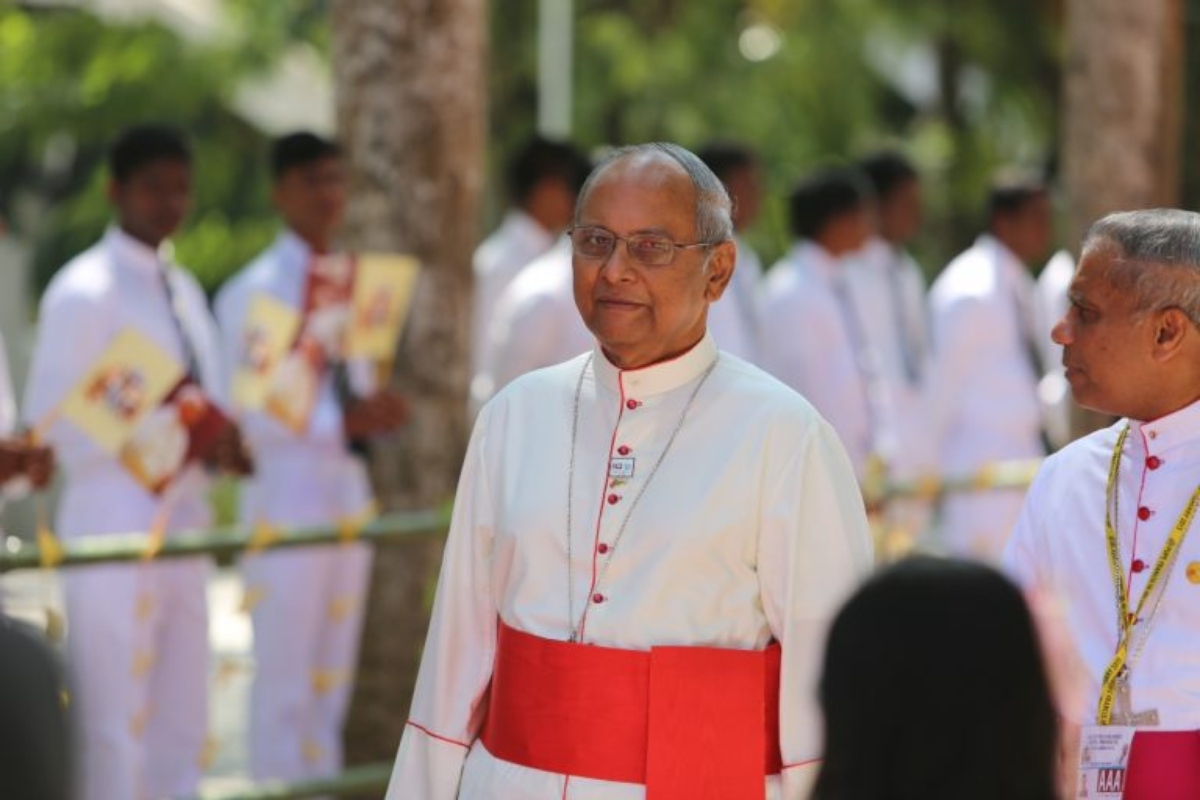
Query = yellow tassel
x=340 y=608
x=208 y=753
x=312 y=751
x=350 y=528
x=251 y=597
x=264 y=535
x=50 y=551
x=55 y=625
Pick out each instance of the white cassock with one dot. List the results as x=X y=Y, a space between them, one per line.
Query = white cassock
x=499 y=258
x=811 y=340
x=307 y=602
x=138 y=633
x=536 y=323
x=752 y=530
x=1051 y=302
x=1059 y=545
x=888 y=289
x=983 y=388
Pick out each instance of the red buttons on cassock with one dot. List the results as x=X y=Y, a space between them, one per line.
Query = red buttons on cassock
x=613 y=499
x=631 y=404
x=1143 y=513
x=1153 y=462
x=1138 y=565
x=623 y=450
x=602 y=548
x=597 y=598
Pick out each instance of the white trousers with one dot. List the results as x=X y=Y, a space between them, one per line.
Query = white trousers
x=307 y=613
x=137 y=649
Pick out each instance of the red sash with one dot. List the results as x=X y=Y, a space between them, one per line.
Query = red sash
x=687 y=722
x=1163 y=765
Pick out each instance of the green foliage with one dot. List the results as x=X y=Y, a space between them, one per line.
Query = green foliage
x=69 y=82
x=671 y=69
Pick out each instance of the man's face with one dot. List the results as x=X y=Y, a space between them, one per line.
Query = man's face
x=644 y=314
x=1107 y=345
x=152 y=202
x=901 y=212
x=745 y=187
x=1029 y=230
x=311 y=198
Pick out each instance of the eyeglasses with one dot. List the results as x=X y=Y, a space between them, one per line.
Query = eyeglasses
x=651 y=249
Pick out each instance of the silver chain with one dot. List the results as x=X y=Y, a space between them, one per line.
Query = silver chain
x=574 y=624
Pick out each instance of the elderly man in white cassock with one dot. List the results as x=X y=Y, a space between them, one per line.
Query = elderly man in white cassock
x=1107 y=524
x=648 y=541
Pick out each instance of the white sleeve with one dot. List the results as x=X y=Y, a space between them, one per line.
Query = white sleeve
x=1024 y=554
x=814 y=549
x=72 y=332
x=450 y=701
x=958 y=328
x=523 y=334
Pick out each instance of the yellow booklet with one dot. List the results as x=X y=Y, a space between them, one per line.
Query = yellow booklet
x=139 y=405
x=383 y=293
x=268 y=333
x=130 y=379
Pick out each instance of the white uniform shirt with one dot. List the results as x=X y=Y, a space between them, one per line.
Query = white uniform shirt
x=309 y=475
x=888 y=288
x=809 y=344
x=1050 y=305
x=518 y=240
x=116 y=284
x=983 y=384
x=752 y=530
x=733 y=319
x=1059 y=545
x=536 y=323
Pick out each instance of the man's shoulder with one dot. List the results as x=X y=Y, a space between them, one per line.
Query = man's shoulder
x=759 y=392
x=86 y=279
x=970 y=277
x=1079 y=461
x=256 y=274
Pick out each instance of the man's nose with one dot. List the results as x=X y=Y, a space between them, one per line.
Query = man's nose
x=619 y=265
x=1061 y=333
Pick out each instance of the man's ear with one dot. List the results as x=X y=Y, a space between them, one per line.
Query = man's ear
x=720 y=269
x=1171 y=329
x=112 y=191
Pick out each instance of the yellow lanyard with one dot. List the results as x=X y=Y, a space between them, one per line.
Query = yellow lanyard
x=1162 y=568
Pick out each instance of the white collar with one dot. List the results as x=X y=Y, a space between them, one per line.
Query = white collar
x=134 y=254
x=807 y=254
x=1168 y=432
x=657 y=378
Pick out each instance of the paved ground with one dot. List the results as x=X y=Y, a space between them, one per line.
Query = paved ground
x=36 y=596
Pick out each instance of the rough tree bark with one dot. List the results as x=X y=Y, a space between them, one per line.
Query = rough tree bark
x=410 y=84
x=1122 y=114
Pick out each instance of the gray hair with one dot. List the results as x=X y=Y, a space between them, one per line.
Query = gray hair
x=714 y=218
x=1160 y=257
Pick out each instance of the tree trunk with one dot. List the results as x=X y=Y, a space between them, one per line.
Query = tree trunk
x=411 y=107
x=1122 y=114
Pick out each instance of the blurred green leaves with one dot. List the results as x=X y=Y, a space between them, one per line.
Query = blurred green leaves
x=69 y=82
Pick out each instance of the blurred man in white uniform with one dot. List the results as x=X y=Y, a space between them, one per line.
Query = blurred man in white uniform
x=137 y=641
x=306 y=603
x=813 y=336
x=987 y=364
x=542 y=182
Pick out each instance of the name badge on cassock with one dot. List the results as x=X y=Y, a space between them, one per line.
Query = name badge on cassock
x=620 y=468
